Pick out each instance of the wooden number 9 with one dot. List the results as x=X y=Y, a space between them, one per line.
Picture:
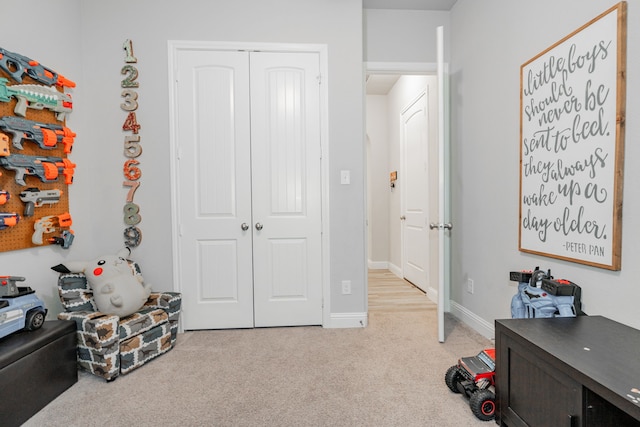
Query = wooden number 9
x=132 y=236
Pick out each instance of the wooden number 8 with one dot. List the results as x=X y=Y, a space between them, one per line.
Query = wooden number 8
x=131 y=215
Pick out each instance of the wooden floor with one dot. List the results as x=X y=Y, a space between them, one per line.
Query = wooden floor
x=387 y=293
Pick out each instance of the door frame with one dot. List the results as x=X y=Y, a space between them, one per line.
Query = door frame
x=408 y=68
x=173 y=47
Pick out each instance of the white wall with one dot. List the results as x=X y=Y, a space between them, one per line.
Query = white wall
x=404 y=91
x=378 y=180
x=485 y=89
x=87 y=47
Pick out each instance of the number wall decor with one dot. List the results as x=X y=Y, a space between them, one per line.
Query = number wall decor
x=572 y=145
x=132 y=148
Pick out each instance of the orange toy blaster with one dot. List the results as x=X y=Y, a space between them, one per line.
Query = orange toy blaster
x=47 y=169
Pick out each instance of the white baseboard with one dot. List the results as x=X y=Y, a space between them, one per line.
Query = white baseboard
x=476 y=322
x=432 y=294
x=347 y=320
x=378 y=265
x=395 y=270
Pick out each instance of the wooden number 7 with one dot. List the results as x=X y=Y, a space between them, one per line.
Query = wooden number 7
x=134 y=186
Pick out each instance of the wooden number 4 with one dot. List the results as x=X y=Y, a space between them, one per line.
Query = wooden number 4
x=131 y=123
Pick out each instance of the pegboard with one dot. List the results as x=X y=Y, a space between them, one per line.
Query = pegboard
x=20 y=235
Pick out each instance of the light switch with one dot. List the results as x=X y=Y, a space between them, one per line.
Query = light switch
x=345 y=177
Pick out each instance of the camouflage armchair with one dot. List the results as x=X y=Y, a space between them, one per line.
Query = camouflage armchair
x=109 y=346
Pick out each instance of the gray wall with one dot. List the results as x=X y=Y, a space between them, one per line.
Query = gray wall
x=403 y=35
x=87 y=46
x=487 y=50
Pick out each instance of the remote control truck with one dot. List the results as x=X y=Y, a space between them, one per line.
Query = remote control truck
x=474 y=376
x=20 y=308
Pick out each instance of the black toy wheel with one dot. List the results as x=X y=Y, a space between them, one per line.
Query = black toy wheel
x=483 y=404
x=452 y=378
x=34 y=320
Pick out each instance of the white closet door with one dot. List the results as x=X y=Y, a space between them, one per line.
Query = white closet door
x=214 y=187
x=249 y=188
x=285 y=147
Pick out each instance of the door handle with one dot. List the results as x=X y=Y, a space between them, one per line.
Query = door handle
x=258 y=226
x=244 y=226
x=447 y=226
x=402 y=218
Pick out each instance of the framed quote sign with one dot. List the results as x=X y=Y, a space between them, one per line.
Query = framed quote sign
x=572 y=112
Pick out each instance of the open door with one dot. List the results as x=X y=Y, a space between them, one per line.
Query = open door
x=443 y=226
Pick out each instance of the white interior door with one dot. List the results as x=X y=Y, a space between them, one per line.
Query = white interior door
x=415 y=192
x=214 y=189
x=287 y=245
x=444 y=227
x=249 y=188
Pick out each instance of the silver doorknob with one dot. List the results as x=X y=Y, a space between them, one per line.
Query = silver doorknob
x=433 y=225
x=447 y=226
x=258 y=226
x=402 y=218
x=244 y=226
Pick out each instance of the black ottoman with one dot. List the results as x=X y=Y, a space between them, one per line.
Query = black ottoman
x=35 y=368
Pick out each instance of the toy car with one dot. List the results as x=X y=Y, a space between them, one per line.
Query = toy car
x=20 y=308
x=475 y=377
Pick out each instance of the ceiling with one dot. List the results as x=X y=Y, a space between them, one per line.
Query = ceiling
x=380 y=84
x=409 y=4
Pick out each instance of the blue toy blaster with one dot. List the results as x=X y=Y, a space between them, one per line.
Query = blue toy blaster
x=17 y=66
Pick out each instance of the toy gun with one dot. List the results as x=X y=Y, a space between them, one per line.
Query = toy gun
x=527 y=289
x=568 y=296
x=46 y=135
x=8 y=286
x=46 y=168
x=49 y=224
x=552 y=298
x=17 y=66
x=37 y=97
x=35 y=198
x=4 y=197
x=65 y=239
x=8 y=220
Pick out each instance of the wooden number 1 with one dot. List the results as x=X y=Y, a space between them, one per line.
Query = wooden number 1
x=128 y=47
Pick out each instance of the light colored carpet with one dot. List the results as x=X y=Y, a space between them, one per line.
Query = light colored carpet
x=388 y=374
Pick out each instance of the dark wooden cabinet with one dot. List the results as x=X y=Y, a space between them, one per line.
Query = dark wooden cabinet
x=576 y=372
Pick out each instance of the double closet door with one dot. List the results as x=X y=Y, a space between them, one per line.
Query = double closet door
x=249 y=183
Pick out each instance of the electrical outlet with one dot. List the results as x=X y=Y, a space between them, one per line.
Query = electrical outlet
x=346 y=287
x=470 y=286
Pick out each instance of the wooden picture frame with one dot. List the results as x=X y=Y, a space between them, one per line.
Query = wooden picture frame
x=572 y=114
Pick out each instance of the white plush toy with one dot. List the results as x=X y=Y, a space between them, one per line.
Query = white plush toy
x=118 y=286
